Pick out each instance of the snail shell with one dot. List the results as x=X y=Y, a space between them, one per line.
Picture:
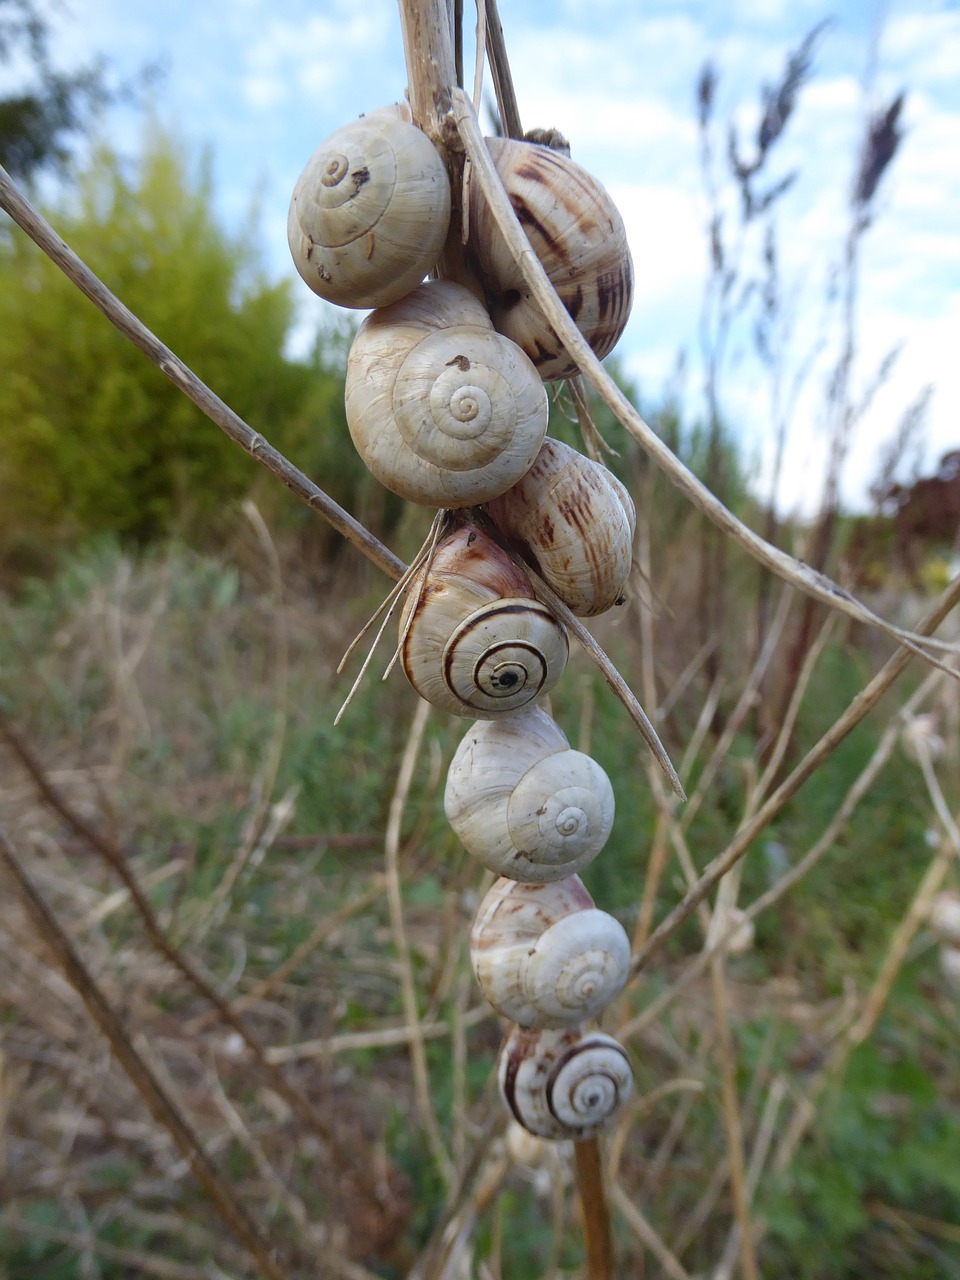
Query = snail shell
x=577 y=521
x=544 y=955
x=945 y=917
x=478 y=643
x=443 y=410
x=523 y=803
x=370 y=211
x=561 y=1083
x=578 y=235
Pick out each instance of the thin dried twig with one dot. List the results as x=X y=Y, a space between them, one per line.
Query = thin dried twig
x=647 y=1236
x=597 y=1236
x=376 y=1038
x=162 y=1107
x=500 y=68
x=418 y=1057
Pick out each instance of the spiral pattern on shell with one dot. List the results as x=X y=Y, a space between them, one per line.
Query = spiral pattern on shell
x=561 y=1083
x=370 y=211
x=578 y=235
x=523 y=803
x=443 y=410
x=575 y=520
x=544 y=955
x=474 y=641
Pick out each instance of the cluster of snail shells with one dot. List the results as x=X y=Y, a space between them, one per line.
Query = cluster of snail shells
x=537 y=812
x=945 y=923
x=445 y=395
x=446 y=404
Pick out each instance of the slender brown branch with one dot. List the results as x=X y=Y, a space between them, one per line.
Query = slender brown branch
x=546 y=595
x=500 y=68
x=43 y=235
x=162 y=1107
x=732 y=1124
x=418 y=1057
x=597 y=1237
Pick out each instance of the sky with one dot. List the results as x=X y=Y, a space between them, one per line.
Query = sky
x=261 y=82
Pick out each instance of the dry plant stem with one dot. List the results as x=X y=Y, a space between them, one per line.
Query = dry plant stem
x=730 y=885
x=761 y=1149
x=546 y=595
x=162 y=1107
x=784 y=566
x=281 y=1193
x=635 y=1108
x=645 y=1233
x=861 y=705
x=737 y=716
x=30 y=221
x=379 y=1038
x=115 y=859
x=327 y=926
x=418 y=1057
x=824 y=635
x=279 y=666
x=478 y=65
x=873 y=1004
x=500 y=70
x=431 y=72
x=597 y=1237
x=487 y=1154
x=827 y=840
x=731 y=1119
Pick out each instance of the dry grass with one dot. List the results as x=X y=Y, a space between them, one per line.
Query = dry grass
x=299 y=990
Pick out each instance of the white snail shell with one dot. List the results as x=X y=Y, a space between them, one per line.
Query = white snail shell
x=577 y=521
x=443 y=410
x=544 y=955
x=945 y=917
x=525 y=804
x=478 y=643
x=561 y=1083
x=370 y=212
x=578 y=235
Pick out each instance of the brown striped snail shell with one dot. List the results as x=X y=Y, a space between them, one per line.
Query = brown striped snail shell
x=523 y=803
x=475 y=641
x=563 y=1083
x=444 y=411
x=370 y=211
x=544 y=955
x=578 y=235
x=576 y=521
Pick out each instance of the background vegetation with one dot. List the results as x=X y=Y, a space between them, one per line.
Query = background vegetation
x=282 y=924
